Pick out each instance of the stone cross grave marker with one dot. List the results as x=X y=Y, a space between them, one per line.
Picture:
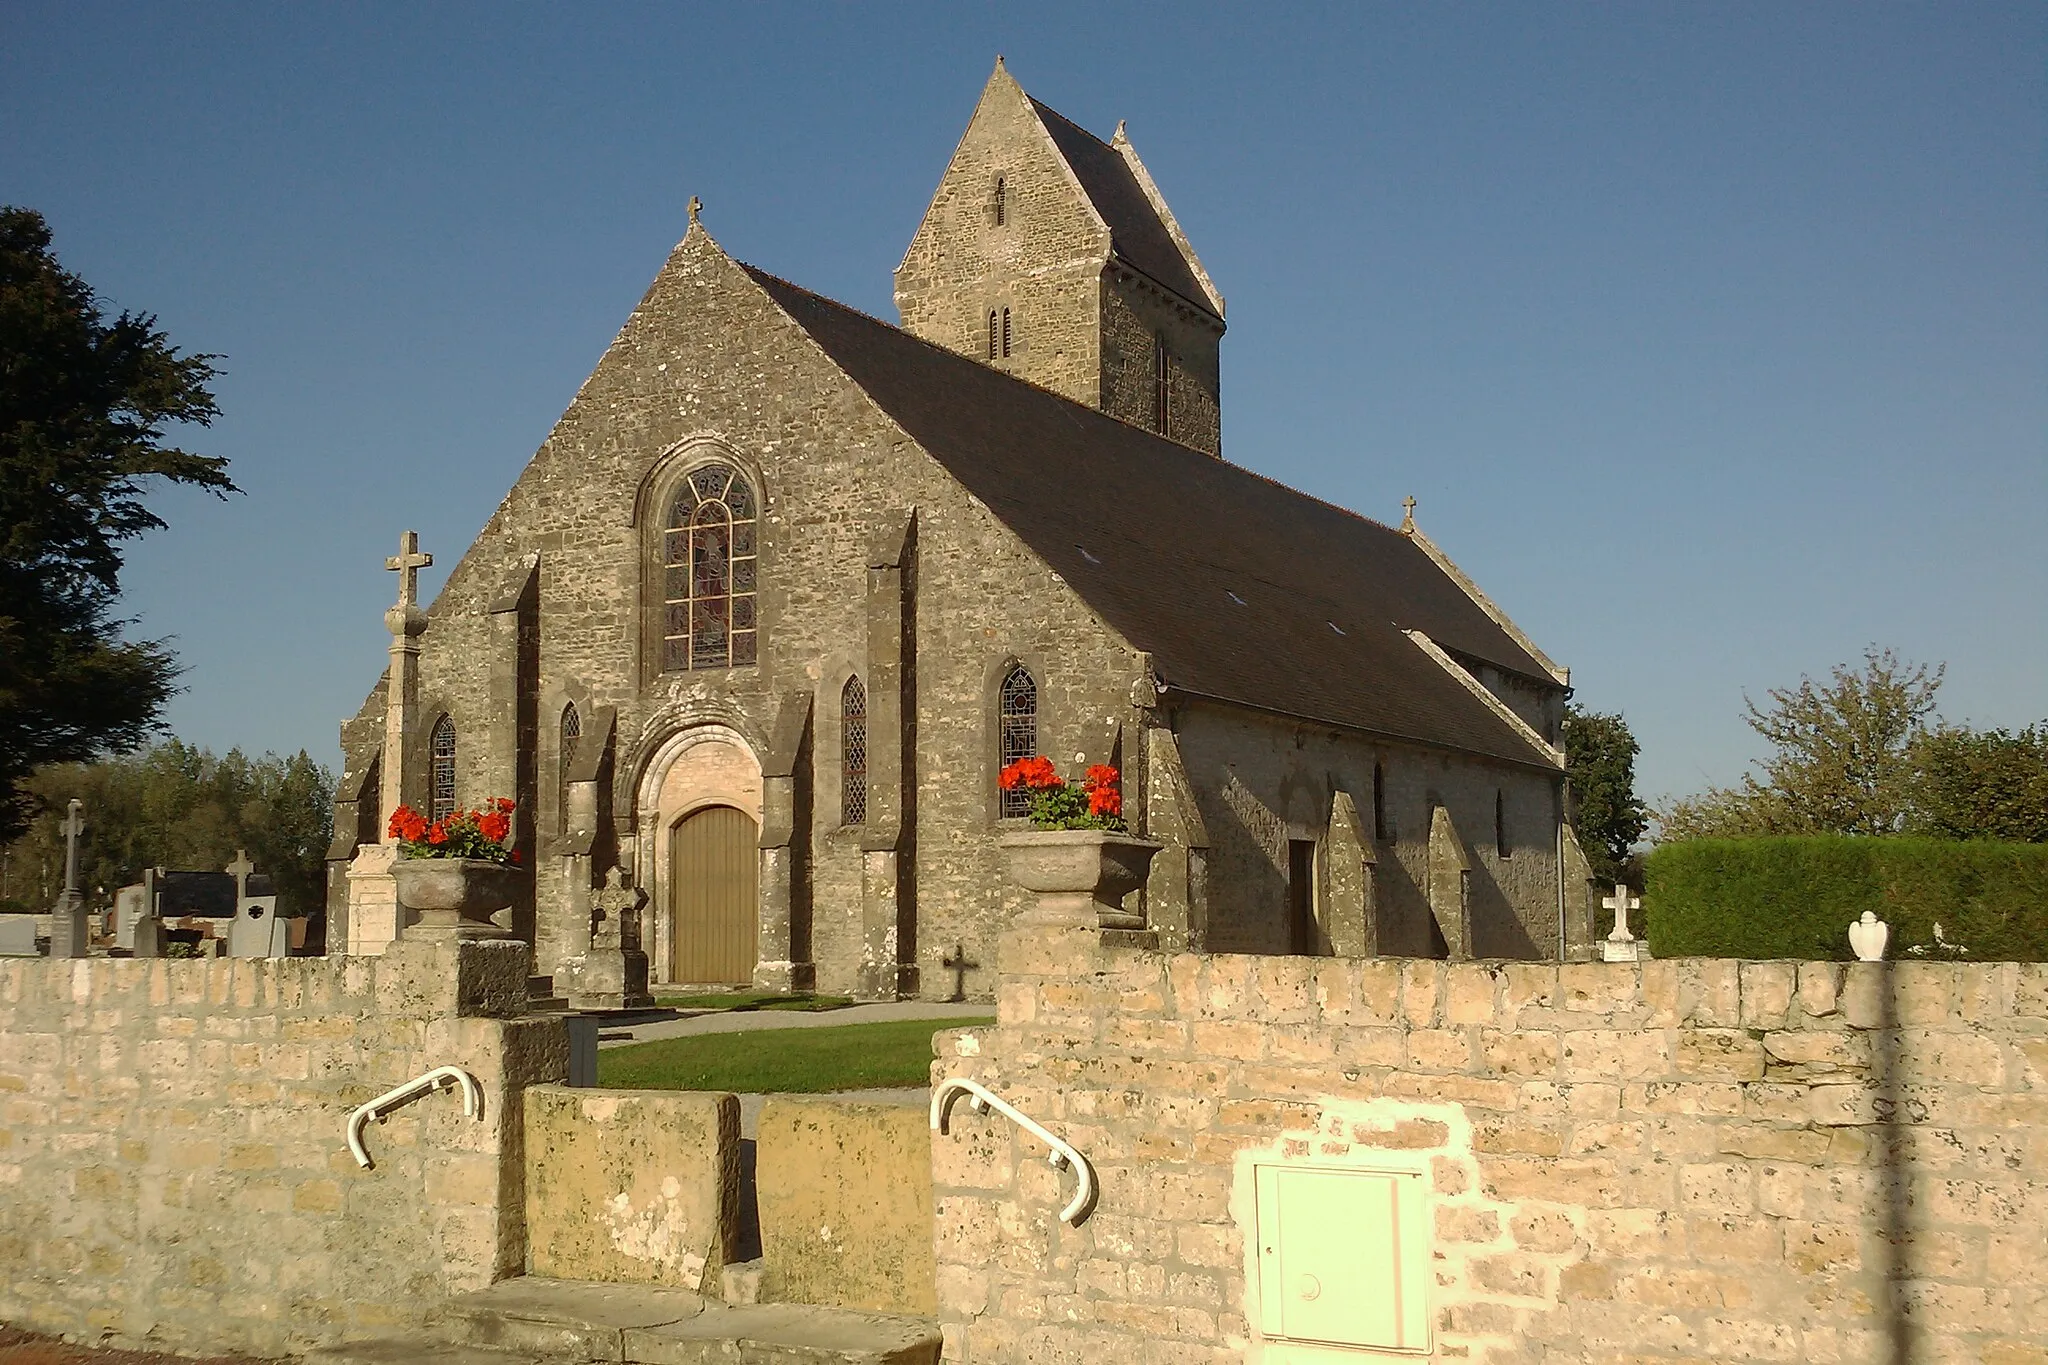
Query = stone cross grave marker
x=1621 y=945
x=68 y=936
x=614 y=904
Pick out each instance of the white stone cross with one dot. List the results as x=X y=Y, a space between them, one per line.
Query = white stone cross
x=1621 y=944
x=407 y=564
x=240 y=869
x=74 y=825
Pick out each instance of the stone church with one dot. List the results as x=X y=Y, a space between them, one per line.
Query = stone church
x=787 y=585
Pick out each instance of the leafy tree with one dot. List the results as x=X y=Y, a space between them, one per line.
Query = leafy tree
x=83 y=407
x=1600 y=761
x=1843 y=762
x=176 y=806
x=1981 y=784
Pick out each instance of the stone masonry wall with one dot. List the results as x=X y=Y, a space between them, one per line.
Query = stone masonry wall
x=1679 y=1161
x=173 y=1165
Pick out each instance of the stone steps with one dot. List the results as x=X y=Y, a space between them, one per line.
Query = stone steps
x=535 y=1321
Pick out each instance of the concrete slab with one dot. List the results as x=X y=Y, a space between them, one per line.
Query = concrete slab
x=420 y=1351
x=787 y=1334
x=563 y=1317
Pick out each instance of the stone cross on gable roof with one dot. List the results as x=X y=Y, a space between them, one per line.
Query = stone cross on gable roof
x=407 y=564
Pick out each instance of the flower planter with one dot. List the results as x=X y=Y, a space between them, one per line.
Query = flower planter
x=455 y=896
x=1079 y=876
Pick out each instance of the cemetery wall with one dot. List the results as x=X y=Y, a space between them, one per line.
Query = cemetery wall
x=1684 y=1160
x=173 y=1162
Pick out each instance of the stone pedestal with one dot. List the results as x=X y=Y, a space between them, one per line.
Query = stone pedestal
x=447 y=975
x=374 y=918
x=70 y=930
x=605 y=979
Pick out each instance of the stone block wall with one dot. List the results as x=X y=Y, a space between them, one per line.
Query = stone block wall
x=173 y=1163
x=632 y=1187
x=1675 y=1161
x=846 y=1204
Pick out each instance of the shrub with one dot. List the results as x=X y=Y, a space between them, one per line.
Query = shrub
x=1796 y=897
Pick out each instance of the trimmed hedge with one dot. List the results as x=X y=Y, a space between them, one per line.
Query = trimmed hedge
x=1796 y=897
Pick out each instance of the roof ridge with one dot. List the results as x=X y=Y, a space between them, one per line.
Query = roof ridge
x=1206 y=459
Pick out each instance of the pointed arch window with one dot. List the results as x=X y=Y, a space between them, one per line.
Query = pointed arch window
x=1018 y=717
x=710 y=554
x=572 y=737
x=441 y=769
x=853 y=752
x=1001 y=207
x=1006 y=334
x=994 y=336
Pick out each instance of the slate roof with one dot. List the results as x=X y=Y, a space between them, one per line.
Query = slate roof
x=1137 y=234
x=1241 y=588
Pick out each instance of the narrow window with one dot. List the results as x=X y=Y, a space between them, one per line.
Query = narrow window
x=1379 y=802
x=1500 y=823
x=710 y=555
x=853 y=770
x=572 y=732
x=1160 y=386
x=999 y=201
x=1019 y=737
x=1006 y=334
x=441 y=770
x=994 y=336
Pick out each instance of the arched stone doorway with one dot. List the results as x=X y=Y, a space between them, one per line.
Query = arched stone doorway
x=699 y=824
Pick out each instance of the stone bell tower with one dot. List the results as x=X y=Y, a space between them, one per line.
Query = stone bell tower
x=1049 y=253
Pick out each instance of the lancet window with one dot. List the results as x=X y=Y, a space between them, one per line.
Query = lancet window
x=710 y=553
x=441 y=769
x=1018 y=719
x=1001 y=207
x=572 y=736
x=853 y=752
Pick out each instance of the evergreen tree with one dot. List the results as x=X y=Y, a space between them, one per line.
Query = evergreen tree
x=1600 y=761
x=83 y=407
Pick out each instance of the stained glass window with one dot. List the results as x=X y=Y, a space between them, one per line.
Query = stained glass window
x=1019 y=739
x=441 y=769
x=710 y=553
x=853 y=719
x=572 y=734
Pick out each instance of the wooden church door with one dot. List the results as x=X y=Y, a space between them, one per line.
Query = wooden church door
x=714 y=869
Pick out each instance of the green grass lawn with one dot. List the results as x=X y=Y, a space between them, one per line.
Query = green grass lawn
x=788 y=1060
x=739 y=1001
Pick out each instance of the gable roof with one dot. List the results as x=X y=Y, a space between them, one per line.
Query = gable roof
x=1240 y=588
x=1136 y=233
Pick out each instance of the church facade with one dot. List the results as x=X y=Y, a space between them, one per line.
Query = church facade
x=786 y=586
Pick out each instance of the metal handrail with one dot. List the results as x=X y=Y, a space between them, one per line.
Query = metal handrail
x=1061 y=1155
x=441 y=1077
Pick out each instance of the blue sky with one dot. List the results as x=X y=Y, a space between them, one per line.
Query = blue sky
x=1713 y=339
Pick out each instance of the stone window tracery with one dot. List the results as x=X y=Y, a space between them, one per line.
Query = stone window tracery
x=710 y=555
x=1017 y=714
x=572 y=734
x=441 y=769
x=853 y=750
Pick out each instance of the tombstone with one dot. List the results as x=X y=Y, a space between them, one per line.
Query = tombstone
x=612 y=975
x=258 y=930
x=18 y=936
x=1621 y=945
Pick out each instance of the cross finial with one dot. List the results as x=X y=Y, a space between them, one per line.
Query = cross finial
x=406 y=564
x=1408 y=513
x=696 y=207
x=240 y=869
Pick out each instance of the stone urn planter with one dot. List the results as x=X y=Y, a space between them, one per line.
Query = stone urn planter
x=455 y=897
x=1079 y=875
